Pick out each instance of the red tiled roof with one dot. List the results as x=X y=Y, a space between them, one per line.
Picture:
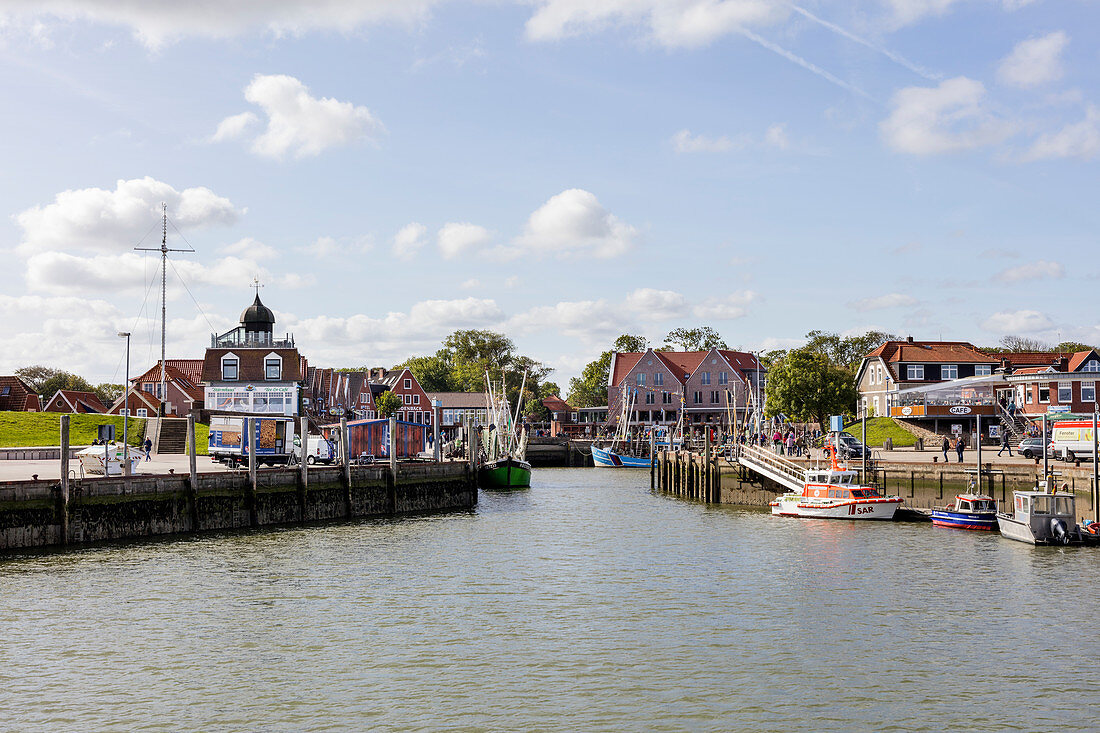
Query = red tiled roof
x=682 y=363
x=947 y=352
x=623 y=364
x=20 y=397
x=1028 y=358
x=462 y=400
x=138 y=399
x=79 y=401
x=1079 y=358
x=553 y=402
x=187 y=385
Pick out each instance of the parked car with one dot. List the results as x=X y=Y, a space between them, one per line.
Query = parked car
x=321 y=449
x=1033 y=448
x=850 y=448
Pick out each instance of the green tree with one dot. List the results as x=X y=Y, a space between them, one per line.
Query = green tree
x=1069 y=347
x=630 y=344
x=702 y=338
x=590 y=388
x=845 y=351
x=535 y=410
x=387 y=403
x=108 y=393
x=805 y=385
x=435 y=373
x=46 y=381
x=549 y=389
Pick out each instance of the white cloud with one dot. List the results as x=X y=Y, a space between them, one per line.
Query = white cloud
x=573 y=223
x=891 y=300
x=331 y=246
x=946 y=118
x=471 y=284
x=685 y=142
x=776 y=136
x=63 y=273
x=99 y=219
x=1034 y=62
x=656 y=305
x=672 y=23
x=250 y=248
x=233 y=127
x=1022 y=321
x=1037 y=270
x=907 y=12
x=298 y=123
x=1076 y=140
x=409 y=240
x=156 y=23
x=458 y=238
x=727 y=308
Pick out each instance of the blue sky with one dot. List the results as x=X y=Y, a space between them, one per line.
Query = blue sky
x=558 y=170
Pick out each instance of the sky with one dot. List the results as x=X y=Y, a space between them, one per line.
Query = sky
x=562 y=171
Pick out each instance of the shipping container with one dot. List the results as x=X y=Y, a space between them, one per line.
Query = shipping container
x=370 y=439
x=229 y=440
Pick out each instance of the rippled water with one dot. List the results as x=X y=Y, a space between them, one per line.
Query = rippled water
x=585 y=603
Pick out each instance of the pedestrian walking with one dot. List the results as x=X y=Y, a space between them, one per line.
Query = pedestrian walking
x=946 y=447
x=1005 y=443
x=959 y=448
x=148 y=446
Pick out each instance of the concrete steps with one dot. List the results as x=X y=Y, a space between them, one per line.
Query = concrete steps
x=173 y=436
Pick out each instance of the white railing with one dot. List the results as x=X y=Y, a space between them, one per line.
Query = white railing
x=773 y=466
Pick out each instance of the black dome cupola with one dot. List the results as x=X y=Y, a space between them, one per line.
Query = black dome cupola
x=257 y=317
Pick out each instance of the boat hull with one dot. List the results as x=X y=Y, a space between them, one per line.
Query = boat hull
x=797 y=505
x=506 y=473
x=610 y=459
x=977 y=521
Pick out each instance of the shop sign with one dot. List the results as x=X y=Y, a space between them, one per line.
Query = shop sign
x=960 y=410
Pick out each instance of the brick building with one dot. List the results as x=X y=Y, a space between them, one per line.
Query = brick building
x=17 y=396
x=75 y=402
x=711 y=387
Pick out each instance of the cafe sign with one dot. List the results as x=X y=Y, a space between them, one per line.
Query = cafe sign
x=960 y=410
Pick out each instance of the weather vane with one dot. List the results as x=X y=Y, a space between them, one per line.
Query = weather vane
x=256 y=284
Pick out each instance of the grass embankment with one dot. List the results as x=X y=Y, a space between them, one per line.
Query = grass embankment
x=23 y=429
x=881 y=428
x=202 y=439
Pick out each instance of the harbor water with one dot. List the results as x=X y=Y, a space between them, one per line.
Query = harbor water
x=585 y=603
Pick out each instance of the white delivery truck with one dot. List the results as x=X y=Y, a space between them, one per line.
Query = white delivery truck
x=1072 y=439
x=319 y=449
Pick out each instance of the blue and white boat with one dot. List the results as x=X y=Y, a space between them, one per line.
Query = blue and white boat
x=610 y=459
x=970 y=511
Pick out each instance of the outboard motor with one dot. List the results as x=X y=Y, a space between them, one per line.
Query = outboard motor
x=1059 y=531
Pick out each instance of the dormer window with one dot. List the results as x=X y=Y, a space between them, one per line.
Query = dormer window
x=949 y=371
x=273 y=367
x=1092 y=365
x=914 y=371
x=230 y=365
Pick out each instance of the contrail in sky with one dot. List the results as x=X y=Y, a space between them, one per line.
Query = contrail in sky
x=896 y=58
x=803 y=63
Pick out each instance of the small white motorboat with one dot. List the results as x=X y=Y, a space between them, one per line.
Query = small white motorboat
x=1044 y=517
x=107 y=460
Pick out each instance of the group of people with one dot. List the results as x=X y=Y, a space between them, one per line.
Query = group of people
x=786 y=442
x=959 y=445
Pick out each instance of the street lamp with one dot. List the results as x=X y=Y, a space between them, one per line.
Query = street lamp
x=126 y=409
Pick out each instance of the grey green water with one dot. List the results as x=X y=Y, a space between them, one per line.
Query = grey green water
x=586 y=603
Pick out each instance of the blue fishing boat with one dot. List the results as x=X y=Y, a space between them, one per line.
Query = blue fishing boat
x=610 y=459
x=970 y=511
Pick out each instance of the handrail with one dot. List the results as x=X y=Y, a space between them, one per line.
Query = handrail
x=761 y=455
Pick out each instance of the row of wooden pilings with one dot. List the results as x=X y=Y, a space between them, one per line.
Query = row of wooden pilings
x=687 y=474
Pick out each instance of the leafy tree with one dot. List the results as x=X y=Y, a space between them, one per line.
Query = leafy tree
x=549 y=389
x=535 y=410
x=590 y=388
x=387 y=403
x=46 y=381
x=628 y=343
x=693 y=339
x=1072 y=346
x=845 y=351
x=108 y=393
x=805 y=385
x=435 y=373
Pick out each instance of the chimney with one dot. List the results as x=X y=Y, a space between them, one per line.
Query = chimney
x=1061 y=364
x=909 y=339
x=379 y=373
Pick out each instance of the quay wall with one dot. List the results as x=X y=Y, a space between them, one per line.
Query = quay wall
x=32 y=513
x=922 y=486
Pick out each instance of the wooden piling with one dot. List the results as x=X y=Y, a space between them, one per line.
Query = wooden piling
x=193 y=473
x=345 y=458
x=652 y=460
x=303 y=470
x=64 y=492
x=707 y=456
x=253 y=478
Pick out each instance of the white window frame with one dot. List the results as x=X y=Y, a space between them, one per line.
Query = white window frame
x=639 y=379
x=270 y=357
x=124 y=412
x=723 y=378
x=416 y=399
x=1044 y=386
x=914 y=372
x=953 y=369
x=237 y=362
x=408 y=400
x=142 y=412
x=658 y=379
x=1092 y=365
x=1065 y=393
x=1088 y=391
x=983 y=370
x=408 y=384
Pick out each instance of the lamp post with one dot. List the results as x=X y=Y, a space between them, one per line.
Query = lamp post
x=126 y=409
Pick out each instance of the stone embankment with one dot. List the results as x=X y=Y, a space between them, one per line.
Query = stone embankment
x=35 y=513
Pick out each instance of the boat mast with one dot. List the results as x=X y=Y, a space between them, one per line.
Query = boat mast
x=163 y=249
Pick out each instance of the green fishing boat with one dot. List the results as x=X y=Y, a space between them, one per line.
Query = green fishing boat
x=503 y=461
x=506 y=473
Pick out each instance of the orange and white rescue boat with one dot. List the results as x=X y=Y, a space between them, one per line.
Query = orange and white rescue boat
x=835 y=493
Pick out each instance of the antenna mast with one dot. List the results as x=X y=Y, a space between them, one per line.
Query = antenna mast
x=163 y=249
